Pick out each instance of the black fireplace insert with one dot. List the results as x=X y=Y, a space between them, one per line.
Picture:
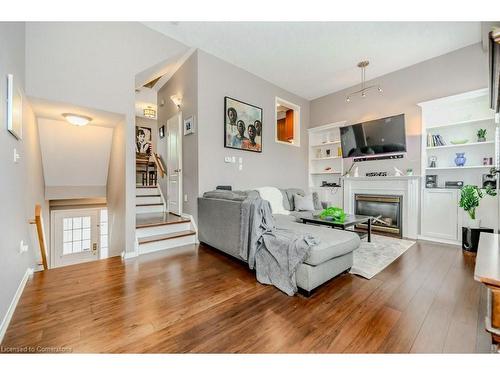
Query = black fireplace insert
x=386 y=209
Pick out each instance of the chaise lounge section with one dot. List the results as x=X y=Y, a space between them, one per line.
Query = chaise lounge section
x=219 y=225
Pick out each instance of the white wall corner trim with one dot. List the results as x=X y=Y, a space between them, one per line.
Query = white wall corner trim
x=13 y=304
x=193 y=225
x=130 y=254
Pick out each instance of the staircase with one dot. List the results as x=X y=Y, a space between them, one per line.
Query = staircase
x=156 y=229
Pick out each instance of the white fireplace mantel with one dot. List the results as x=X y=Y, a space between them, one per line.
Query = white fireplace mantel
x=406 y=186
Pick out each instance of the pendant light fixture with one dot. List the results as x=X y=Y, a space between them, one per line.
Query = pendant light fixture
x=362 y=65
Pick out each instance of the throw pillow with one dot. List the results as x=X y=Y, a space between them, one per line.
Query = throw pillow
x=303 y=203
x=316 y=201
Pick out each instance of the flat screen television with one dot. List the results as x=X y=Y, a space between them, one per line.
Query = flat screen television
x=383 y=136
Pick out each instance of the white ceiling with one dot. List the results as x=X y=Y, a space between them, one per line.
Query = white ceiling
x=312 y=59
x=145 y=97
x=73 y=155
x=53 y=110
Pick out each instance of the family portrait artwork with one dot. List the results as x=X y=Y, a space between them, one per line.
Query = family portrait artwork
x=143 y=143
x=243 y=125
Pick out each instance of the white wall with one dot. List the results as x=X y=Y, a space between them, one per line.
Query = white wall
x=94 y=64
x=22 y=183
x=74 y=156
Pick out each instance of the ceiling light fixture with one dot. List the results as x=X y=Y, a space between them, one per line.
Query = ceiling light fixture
x=77 y=120
x=362 y=65
x=177 y=100
x=149 y=112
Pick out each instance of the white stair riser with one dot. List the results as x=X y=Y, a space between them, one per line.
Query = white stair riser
x=147 y=200
x=166 y=244
x=161 y=229
x=146 y=191
x=149 y=209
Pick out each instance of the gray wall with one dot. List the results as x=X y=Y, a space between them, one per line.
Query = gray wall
x=22 y=183
x=185 y=83
x=456 y=72
x=278 y=165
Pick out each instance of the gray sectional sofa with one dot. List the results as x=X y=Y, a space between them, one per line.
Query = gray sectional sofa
x=219 y=221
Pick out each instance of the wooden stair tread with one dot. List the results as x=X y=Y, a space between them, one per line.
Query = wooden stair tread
x=160 y=223
x=148 y=195
x=148 y=204
x=158 y=219
x=162 y=237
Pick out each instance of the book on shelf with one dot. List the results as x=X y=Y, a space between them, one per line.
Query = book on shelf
x=435 y=140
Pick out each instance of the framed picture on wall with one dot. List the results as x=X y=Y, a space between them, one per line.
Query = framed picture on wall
x=242 y=125
x=189 y=125
x=143 y=144
x=14 y=108
x=161 y=131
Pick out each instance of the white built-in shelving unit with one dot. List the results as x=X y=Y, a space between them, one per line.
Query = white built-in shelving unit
x=326 y=162
x=455 y=118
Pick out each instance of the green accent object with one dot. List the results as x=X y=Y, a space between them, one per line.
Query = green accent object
x=481 y=135
x=470 y=196
x=335 y=213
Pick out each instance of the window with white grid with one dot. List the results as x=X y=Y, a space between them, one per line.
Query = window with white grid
x=76 y=234
x=104 y=233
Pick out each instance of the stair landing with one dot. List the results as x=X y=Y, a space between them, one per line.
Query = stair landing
x=156 y=219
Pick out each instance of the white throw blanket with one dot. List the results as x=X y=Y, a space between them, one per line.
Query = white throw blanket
x=274 y=197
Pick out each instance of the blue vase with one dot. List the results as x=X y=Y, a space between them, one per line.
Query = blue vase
x=460 y=159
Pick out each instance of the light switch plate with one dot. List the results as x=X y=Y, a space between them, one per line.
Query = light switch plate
x=16 y=156
x=23 y=247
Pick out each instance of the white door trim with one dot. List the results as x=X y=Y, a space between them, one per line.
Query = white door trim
x=179 y=158
x=52 y=255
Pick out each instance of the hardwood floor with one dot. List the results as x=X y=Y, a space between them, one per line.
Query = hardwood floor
x=195 y=299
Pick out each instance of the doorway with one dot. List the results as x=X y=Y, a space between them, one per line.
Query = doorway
x=78 y=235
x=174 y=164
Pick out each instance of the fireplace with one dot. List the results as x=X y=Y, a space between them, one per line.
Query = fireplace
x=386 y=209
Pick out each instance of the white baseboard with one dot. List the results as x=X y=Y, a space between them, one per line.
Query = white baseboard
x=439 y=240
x=13 y=304
x=129 y=254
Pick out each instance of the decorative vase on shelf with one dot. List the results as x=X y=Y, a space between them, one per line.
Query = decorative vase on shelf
x=460 y=159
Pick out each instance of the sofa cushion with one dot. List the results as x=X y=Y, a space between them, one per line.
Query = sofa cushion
x=316 y=201
x=303 y=203
x=286 y=202
x=290 y=193
x=298 y=215
x=333 y=242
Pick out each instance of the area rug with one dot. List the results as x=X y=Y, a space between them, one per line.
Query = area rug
x=372 y=257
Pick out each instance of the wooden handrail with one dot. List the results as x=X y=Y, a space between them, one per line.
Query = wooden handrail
x=159 y=165
x=38 y=221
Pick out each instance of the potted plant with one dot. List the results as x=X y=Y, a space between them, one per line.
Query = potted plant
x=470 y=197
x=481 y=135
